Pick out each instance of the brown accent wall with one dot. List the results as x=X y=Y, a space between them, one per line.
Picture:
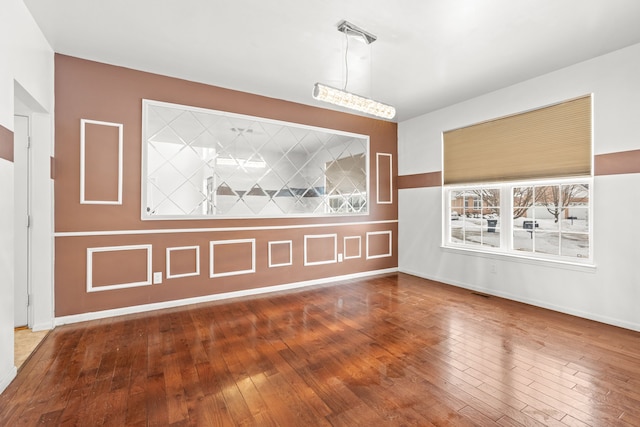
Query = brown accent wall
x=604 y=164
x=384 y=174
x=430 y=179
x=617 y=163
x=6 y=144
x=95 y=91
x=101 y=152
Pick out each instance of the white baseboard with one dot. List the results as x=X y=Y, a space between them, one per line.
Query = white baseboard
x=542 y=304
x=75 y=318
x=43 y=326
x=7 y=377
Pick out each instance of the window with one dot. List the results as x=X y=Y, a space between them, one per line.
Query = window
x=477 y=203
x=472 y=211
x=543 y=219
x=540 y=164
x=552 y=219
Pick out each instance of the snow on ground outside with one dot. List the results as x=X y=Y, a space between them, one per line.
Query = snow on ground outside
x=546 y=238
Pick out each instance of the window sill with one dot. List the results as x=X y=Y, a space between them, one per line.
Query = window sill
x=588 y=267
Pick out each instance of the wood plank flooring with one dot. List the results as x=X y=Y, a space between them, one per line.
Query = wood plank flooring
x=389 y=350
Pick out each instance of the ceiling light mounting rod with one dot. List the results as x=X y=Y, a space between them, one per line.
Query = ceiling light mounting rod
x=351 y=30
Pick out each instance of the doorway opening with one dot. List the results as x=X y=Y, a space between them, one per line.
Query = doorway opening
x=32 y=223
x=21 y=219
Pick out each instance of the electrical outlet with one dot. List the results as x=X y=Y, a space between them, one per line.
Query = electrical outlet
x=339 y=257
x=494 y=270
x=157 y=277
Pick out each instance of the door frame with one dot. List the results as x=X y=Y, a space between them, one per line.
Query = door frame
x=41 y=274
x=22 y=213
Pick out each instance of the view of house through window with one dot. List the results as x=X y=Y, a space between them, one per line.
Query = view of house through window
x=549 y=220
x=475 y=215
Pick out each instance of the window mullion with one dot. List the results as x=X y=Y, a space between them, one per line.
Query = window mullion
x=506 y=208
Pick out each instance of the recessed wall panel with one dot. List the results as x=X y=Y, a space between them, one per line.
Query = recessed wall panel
x=232 y=257
x=384 y=176
x=320 y=249
x=183 y=261
x=117 y=267
x=100 y=162
x=352 y=247
x=379 y=244
x=280 y=253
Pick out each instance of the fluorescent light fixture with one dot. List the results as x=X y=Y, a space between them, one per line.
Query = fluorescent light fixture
x=355 y=102
x=226 y=161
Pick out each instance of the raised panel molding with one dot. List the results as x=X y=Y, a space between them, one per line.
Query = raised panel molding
x=90 y=269
x=384 y=178
x=277 y=243
x=183 y=248
x=373 y=234
x=83 y=163
x=226 y=244
x=331 y=260
x=346 y=253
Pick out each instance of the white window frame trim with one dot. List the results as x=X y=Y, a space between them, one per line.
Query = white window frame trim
x=506 y=224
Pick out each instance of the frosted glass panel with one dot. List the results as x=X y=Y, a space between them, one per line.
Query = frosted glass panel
x=201 y=163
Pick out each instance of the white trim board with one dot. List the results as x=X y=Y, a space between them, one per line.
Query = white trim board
x=95 y=315
x=6 y=379
x=207 y=230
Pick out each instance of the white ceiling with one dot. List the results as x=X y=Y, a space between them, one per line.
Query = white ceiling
x=429 y=53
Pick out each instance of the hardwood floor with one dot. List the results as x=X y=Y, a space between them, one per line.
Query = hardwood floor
x=389 y=350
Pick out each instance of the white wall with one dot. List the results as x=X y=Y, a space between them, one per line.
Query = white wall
x=610 y=291
x=25 y=58
x=7 y=370
x=42 y=313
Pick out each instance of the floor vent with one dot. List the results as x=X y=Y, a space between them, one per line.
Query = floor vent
x=480 y=295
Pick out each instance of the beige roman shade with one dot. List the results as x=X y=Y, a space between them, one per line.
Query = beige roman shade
x=553 y=141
